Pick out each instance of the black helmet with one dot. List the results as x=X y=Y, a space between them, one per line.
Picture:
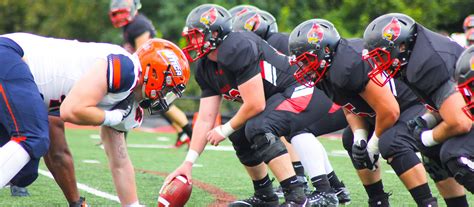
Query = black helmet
x=252 y=21
x=271 y=21
x=312 y=45
x=122 y=12
x=464 y=74
x=241 y=9
x=201 y=23
x=383 y=38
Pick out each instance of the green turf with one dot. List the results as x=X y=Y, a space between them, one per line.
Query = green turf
x=219 y=168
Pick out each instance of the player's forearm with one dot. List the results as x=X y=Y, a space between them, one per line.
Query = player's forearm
x=198 y=139
x=355 y=122
x=83 y=115
x=384 y=121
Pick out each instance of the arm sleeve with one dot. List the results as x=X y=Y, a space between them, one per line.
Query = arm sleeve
x=120 y=73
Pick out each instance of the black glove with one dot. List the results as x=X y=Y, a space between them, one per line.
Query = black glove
x=416 y=127
x=125 y=106
x=362 y=157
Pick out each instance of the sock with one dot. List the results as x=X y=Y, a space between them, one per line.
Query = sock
x=334 y=180
x=420 y=193
x=293 y=190
x=374 y=189
x=299 y=169
x=290 y=182
x=188 y=129
x=306 y=146
x=321 y=183
x=460 y=201
x=262 y=183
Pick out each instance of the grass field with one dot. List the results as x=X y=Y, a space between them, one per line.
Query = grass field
x=218 y=169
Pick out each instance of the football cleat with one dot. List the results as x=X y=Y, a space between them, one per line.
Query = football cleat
x=19 y=191
x=380 y=200
x=257 y=200
x=181 y=140
x=323 y=199
x=80 y=203
x=294 y=204
x=343 y=195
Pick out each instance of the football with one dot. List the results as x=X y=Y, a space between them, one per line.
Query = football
x=176 y=193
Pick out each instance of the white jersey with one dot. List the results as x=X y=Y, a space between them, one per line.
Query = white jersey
x=57 y=64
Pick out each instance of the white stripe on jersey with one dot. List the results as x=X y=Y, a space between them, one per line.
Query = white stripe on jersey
x=270 y=73
x=302 y=91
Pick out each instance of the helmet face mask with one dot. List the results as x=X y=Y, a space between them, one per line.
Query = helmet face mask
x=383 y=66
x=198 y=44
x=466 y=90
x=310 y=69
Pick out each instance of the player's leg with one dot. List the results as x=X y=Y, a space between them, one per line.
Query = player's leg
x=179 y=117
x=371 y=180
x=60 y=162
x=120 y=164
x=334 y=121
x=22 y=115
x=257 y=170
x=284 y=114
x=397 y=146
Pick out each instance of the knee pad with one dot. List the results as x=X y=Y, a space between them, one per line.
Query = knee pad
x=347 y=139
x=462 y=169
x=249 y=158
x=268 y=146
x=27 y=174
x=435 y=169
x=403 y=162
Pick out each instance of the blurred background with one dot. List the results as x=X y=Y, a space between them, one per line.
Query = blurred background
x=87 y=20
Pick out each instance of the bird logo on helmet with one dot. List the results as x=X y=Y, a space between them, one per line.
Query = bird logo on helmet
x=391 y=31
x=315 y=34
x=252 y=23
x=209 y=17
x=472 y=62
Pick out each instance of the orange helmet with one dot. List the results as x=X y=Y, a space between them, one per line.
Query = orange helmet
x=165 y=73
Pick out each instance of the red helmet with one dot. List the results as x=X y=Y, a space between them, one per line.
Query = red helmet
x=468 y=22
x=165 y=72
x=470 y=36
x=122 y=12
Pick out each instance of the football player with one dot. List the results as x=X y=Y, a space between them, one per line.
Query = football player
x=377 y=119
x=463 y=168
x=137 y=29
x=425 y=61
x=264 y=25
x=242 y=67
x=87 y=84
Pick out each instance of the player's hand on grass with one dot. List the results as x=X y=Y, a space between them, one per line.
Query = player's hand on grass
x=184 y=169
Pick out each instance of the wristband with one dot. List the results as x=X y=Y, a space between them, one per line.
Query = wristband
x=225 y=130
x=359 y=135
x=191 y=156
x=112 y=118
x=431 y=120
x=427 y=138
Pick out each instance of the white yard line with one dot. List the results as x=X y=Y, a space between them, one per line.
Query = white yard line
x=159 y=146
x=86 y=188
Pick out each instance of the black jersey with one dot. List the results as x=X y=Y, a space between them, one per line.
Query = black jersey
x=347 y=77
x=137 y=27
x=431 y=65
x=279 y=41
x=241 y=56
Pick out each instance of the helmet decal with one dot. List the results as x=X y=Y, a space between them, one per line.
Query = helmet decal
x=209 y=17
x=471 y=61
x=315 y=34
x=252 y=23
x=243 y=11
x=391 y=31
x=170 y=57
